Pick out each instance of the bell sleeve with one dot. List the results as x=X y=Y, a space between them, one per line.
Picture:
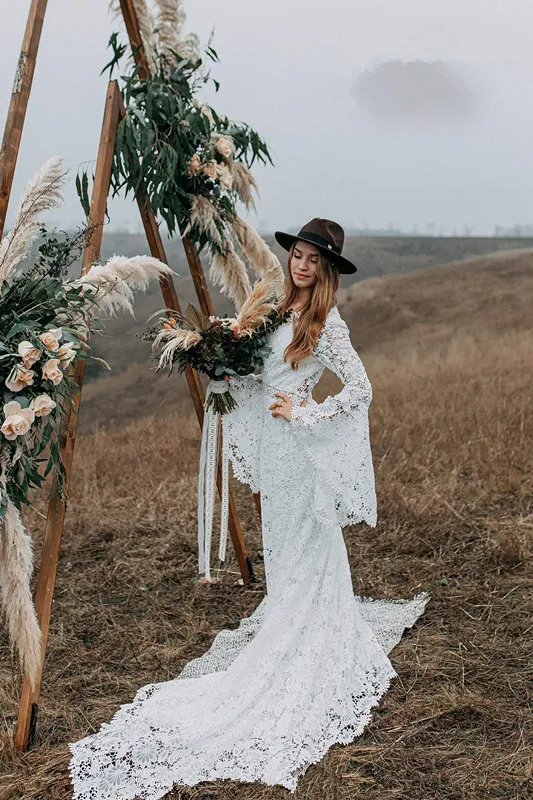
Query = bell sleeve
x=334 y=435
x=241 y=428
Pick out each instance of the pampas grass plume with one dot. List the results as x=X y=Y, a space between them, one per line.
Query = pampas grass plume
x=257 y=252
x=176 y=339
x=42 y=193
x=256 y=307
x=228 y=271
x=113 y=282
x=16 y=567
x=243 y=183
x=203 y=216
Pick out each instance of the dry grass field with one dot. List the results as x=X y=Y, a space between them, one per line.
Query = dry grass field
x=449 y=354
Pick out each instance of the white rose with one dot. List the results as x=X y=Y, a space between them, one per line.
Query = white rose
x=225 y=146
x=17 y=420
x=19 y=377
x=52 y=372
x=66 y=353
x=42 y=405
x=51 y=338
x=29 y=353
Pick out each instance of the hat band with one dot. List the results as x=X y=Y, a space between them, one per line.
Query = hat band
x=317 y=239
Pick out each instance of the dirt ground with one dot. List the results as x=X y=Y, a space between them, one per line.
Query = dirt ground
x=451 y=430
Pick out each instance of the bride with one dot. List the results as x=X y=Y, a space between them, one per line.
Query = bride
x=304 y=671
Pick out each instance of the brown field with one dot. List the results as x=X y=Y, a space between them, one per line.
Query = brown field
x=448 y=352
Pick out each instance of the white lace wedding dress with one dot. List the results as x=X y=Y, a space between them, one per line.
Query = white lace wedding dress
x=303 y=672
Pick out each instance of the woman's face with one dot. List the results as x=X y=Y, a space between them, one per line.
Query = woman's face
x=303 y=264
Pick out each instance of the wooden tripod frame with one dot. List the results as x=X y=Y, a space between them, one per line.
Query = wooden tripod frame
x=113 y=114
x=19 y=103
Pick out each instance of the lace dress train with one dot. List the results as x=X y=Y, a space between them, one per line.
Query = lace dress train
x=304 y=670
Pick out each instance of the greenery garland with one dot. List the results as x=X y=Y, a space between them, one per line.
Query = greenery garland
x=41 y=335
x=44 y=332
x=175 y=148
x=191 y=163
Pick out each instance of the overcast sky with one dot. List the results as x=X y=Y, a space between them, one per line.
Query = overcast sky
x=402 y=112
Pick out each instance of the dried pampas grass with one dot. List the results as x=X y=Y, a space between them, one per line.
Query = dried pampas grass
x=204 y=216
x=256 y=307
x=113 y=283
x=228 y=271
x=257 y=252
x=147 y=30
x=161 y=33
x=42 y=193
x=169 y=21
x=16 y=567
x=189 y=47
x=243 y=183
x=176 y=339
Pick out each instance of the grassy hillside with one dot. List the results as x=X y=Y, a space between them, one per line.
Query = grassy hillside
x=448 y=351
x=428 y=312
x=375 y=257
x=478 y=296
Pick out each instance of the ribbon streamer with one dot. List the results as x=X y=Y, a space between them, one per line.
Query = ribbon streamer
x=209 y=450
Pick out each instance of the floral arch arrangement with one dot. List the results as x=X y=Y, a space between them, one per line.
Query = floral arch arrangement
x=192 y=163
x=44 y=331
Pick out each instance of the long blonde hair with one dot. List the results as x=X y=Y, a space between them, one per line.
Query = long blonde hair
x=308 y=325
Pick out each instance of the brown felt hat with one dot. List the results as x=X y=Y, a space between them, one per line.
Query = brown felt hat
x=325 y=234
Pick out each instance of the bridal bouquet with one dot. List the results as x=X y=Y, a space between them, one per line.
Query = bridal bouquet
x=218 y=345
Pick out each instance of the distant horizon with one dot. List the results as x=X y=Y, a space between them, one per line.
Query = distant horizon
x=422 y=123
x=517 y=231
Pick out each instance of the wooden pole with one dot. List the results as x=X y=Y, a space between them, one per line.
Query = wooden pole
x=197 y=273
x=56 y=508
x=197 y=391
x=19 y=103
x=132 y=27
x=113 y=113
x=193 y=379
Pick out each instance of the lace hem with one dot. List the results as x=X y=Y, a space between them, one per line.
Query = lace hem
x=112 y=776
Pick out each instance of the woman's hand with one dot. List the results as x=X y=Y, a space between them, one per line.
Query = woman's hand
x=283 y=406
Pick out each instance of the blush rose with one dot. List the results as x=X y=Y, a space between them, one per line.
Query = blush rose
x=17 y=421
x=52 y=371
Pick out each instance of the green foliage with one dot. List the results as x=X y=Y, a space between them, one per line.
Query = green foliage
x=33 y=302
x=118 y=51
x=164 y=127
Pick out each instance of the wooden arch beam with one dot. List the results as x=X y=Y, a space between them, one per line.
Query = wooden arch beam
x=19 y=103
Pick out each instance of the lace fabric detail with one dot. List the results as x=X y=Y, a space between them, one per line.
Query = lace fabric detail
x=334 y=350
x=305 y=669
x=334 y=435
x=240 y=428
x=388 y=619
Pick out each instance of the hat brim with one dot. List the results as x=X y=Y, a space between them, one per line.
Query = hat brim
x=286 y=240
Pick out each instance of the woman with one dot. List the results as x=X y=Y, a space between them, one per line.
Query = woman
x=305 y=669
